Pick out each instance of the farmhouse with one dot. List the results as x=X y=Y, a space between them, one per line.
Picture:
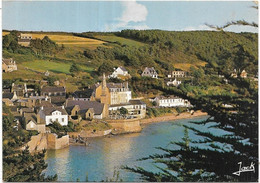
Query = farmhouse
x=149 y=72
x=119 y=72
x=24 y=39
x=8 y=65
x=48 y=115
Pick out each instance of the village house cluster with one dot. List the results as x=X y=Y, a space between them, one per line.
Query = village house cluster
x=98 y=102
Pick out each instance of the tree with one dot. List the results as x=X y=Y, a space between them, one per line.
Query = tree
x=74 y=68
x=18 y=165
x=52 y=79
x=123 y=111
x=216 y=157
x=106 y=68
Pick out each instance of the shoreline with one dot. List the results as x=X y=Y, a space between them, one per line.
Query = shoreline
x=172 y=117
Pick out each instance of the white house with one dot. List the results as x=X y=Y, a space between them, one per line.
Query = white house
x=177 y=74
x=52 y=114
x=150 y=72
x=120 y=71
x=175 y=82
x=135 y=108
x=171 y=101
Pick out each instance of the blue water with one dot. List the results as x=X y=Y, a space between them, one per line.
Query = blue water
x=106 y=154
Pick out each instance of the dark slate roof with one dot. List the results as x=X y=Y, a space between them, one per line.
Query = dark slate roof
x=53 y=89
x=83 y=94
x=58 y=100
x=136 y=102
x=85 y=105
x=151 y=70
x=49 y=110
x=123 y=69
x=8 y=95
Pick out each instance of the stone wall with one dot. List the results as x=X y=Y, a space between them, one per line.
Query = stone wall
x=127 y=125
x=46 y=141
x=57 y=143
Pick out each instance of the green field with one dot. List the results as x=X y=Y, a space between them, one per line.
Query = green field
x=56 y=67
x=113 y=38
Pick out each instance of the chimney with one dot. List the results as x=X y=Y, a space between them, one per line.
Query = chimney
x=62 y=107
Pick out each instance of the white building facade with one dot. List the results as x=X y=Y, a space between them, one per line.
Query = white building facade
x=172 y=102
x=54 y=114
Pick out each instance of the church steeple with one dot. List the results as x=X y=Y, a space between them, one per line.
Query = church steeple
x=104 y=96
x=104 y=84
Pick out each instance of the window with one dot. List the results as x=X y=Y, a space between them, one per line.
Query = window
x=62 y=119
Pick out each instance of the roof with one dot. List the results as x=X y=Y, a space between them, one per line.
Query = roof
x=45 y=104
x=58 y=100
x=27 y=110
x=49 y=110
x=150 y=69
x=30 y=117
x=53 y=89
x=168 y=97
x=85 y=105
x=83 y=94
x=37 y=97
x=8 y=95
x=136 y=102
x=122 y=68
x=116 y=85
x=8 y=61
x=131 y=102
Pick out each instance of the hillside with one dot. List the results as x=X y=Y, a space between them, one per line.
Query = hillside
x=164 y=50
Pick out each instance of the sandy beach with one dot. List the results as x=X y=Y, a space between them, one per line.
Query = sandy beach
x=172 y=117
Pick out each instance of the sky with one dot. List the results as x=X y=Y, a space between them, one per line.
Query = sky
x=84 y=16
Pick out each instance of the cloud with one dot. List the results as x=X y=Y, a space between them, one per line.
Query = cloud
x=133 y=12
x=133 y=17
x=200 y=27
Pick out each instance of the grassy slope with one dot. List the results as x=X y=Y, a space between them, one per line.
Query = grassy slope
x=74 y=47
x=113 y=38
